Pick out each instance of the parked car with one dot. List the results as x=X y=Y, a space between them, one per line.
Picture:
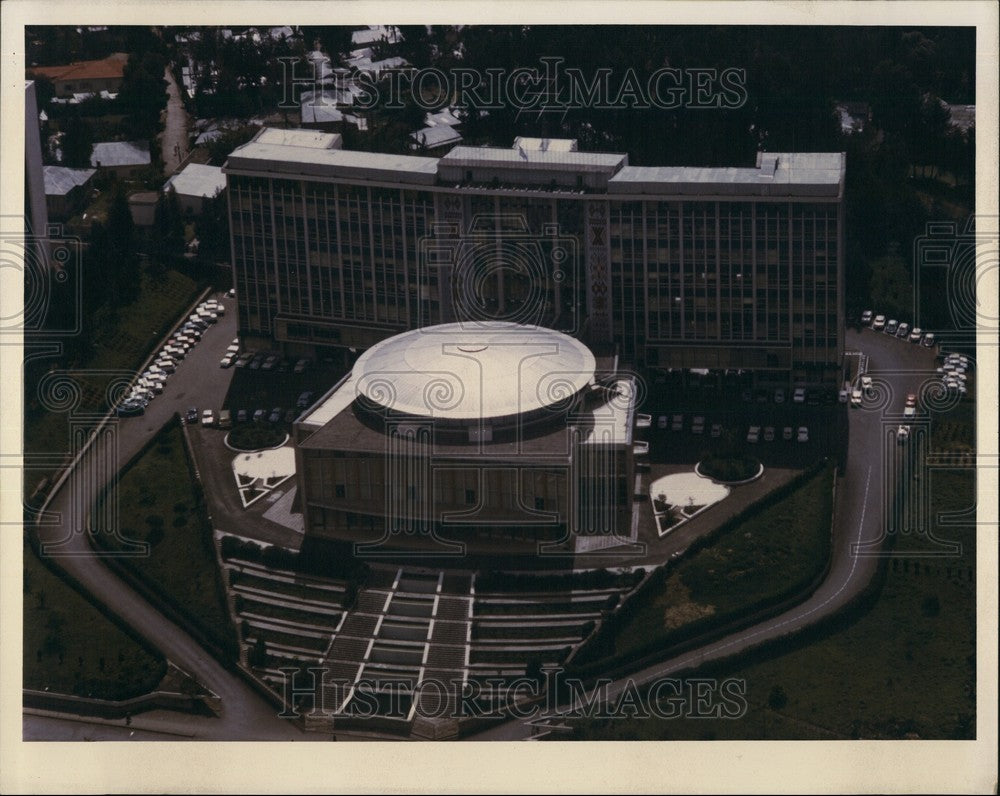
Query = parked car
x=803 y=434
x=879 y=323
x=241 y=416
x=891 y=326
x=856 y=397
x=232 y=292
x=300 y=366
x=779 y=396
x=698 y=425
x=753 y=435
x=866 y=383
x=786 y=433
x=716 y=430
x=916 y=334
x=258 y=415
x=903 y=330
x=910 y=412
x=769 y=434
x=866 y=317
x=208 y=417
x=191 y=416
x=275 y=415
x=928 y=340
x=677 y=423
x=130 y=409
x=225 y=419
x=661 y=421
x=233 y=348
x=844 y=396
x=306 y=398
x=227 y=361
x=911 y=399
x=902 y=433
x=799 y=396
x=270 y=362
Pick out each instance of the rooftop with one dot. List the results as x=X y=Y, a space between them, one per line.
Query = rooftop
x=432 y=137
x=533 y=158
x=105 y=68
x=546 y=144
x=198 y=180
x=309 y=139
x=798 y=173
x=120 y=153
x=60 y=180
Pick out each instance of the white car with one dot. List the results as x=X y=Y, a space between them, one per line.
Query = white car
x=928 y=340
x=753 y=435
x=866 y=383
x=233 y=349
x=844 y=396
x=916 y=334
x=799 y=396
x=879 y=323
x=902 y=434
x=856 y=398
x=208 y=417
x=803 y=435
x=698 y=425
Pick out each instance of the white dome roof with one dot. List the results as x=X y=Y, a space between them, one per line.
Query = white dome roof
x=465 y=373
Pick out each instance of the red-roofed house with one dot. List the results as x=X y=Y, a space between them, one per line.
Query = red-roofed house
x=85 y=76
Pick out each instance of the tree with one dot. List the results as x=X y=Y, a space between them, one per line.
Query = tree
x=890 y=287
x=121 y=267
x=168 y=229
x=77 y=143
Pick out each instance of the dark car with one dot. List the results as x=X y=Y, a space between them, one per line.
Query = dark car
x=258 y=415
x=275 y=415
x=304 y=400
x=255 y=362
x=192 y=415
x=130 y=409
x=241 y=416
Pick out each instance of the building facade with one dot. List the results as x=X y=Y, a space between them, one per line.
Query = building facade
x=679 y=267
x=461 y=435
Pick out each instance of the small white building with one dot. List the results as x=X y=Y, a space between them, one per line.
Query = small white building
x=195 y=186
x=123 y=158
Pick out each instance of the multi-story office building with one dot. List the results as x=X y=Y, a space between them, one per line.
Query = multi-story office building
x=676 y=267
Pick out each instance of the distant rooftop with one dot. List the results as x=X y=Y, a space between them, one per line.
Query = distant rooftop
x=198 y=180
x=111 y=67
x=120 y=153
x=432 y=137
x=60 y=180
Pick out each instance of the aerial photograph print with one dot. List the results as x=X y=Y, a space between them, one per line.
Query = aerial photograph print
x=500 y=379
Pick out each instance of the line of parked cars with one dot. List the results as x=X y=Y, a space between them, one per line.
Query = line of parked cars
x=262 y=360
x=769 y=434
x=152 y=381
x=894 y=328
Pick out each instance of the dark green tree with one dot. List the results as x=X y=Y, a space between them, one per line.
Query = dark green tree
x=168 y=230
x=77 y=143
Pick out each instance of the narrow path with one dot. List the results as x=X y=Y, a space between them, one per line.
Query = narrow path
x=174 y=138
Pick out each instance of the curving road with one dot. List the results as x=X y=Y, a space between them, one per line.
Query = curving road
x=198 y=381
x=899 y=366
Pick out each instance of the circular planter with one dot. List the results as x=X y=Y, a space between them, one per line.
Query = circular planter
x=758 y=474
x=254 y=450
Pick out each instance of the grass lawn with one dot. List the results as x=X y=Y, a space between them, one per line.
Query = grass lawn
x=784 y=544
x=120 y=343
x=160 y=503
x=906 y=665
x=70 y=647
